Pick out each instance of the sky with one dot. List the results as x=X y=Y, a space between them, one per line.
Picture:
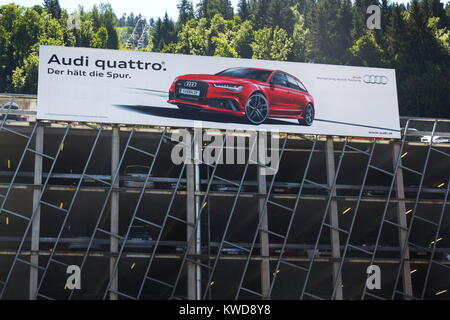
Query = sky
x=148 y=8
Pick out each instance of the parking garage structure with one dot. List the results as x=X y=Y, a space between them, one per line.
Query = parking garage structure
x=214 y=231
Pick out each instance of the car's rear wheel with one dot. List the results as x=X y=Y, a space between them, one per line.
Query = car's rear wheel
x=257 y=109
x=308 y=118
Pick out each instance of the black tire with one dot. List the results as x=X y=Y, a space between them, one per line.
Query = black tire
x=257 y=109
x=308 y=119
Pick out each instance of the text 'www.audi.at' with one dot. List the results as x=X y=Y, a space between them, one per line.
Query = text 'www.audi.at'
x=256 y=94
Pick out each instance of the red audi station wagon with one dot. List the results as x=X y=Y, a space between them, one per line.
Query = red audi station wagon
x=256 y=94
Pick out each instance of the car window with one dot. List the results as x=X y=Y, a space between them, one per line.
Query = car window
x=302 y=87
x=279 y=79
x=292 y=83
x=246 y=73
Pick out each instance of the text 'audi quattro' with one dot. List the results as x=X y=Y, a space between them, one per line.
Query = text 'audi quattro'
x=256 y=94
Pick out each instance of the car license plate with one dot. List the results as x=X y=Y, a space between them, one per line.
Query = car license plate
x=190 y=92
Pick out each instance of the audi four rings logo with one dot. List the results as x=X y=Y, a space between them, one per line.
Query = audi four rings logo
x=190 y=84
x=373 y=79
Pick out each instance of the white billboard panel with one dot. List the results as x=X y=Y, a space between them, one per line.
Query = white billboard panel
x=143 y=88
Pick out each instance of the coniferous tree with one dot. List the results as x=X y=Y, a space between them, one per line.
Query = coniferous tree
x=130 y=20
x=243 y=10
x=185 y=11
x=208 y=9
x=53 y=8
x=226 y=9
x=122 y=21
x=260 y=16
x=279 y=14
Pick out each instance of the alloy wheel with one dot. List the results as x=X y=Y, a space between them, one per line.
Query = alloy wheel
x=257 y=109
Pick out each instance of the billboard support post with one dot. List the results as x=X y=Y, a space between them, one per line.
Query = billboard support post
x=35 y=227
x=402 y=221
x=333 y=218
x=198 y=245
x=192 y=217
x=115 y=158
x=263 y=236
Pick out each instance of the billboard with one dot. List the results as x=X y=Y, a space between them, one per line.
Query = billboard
x=144 y=88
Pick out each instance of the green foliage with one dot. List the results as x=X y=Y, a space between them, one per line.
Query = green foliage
x=243 y=10
x=367 y=51
x=22 y=30
x=243 y=39
x=300 y=35
x=272 y=44
x=25 y=78
x=185 y=11
x=53 y=8
x=209 y=8
x=100 y=39
x=163 y=32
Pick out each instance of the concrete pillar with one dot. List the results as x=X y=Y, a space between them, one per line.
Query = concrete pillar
x=333 y=218
x=401 y=220
x=35 y=226
x=192 y=212
x=114 y=244
x=263 y=236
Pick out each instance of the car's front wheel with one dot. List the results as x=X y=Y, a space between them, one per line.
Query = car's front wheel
x=257 y=109
x=308 y=117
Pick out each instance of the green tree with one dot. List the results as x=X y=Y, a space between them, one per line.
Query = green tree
x=262 y=44
x=185 y=11
x=272 y=44
x=367 y=51
x=359 y=17
x=281 y=48
x=260 y=16
x=299 y=36
x=330 y=38
x=25 y=78
x=194 y=38
x=208 y=9
x=243 y=40
x=100 y=39
x=243 y=10
x=108 y=19
x=86 y=34
x=279 y=14
x=163 y=32
x=53 y=8
x=226 y=9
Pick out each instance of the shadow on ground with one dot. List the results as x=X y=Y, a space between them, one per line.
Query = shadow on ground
x=198 y=115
